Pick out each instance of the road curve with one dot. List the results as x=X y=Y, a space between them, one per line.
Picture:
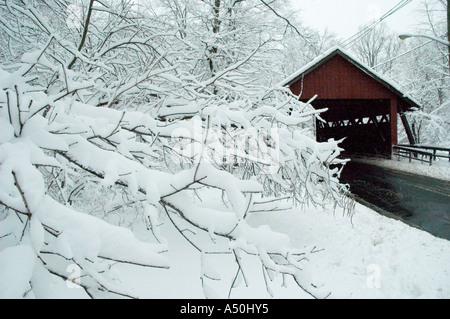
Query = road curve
x=419 y=200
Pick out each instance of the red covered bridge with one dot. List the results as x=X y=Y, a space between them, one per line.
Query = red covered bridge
x=362 y=105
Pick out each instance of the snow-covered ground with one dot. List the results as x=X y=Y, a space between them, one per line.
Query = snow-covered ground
x=367 y=256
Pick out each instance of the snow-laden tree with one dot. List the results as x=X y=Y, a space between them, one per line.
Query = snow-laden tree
x=422 y=70
x=428 y=81
x=101 y=101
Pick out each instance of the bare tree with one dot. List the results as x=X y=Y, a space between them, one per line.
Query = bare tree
x=377 y=46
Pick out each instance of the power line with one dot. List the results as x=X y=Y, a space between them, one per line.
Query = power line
x=400 y=55
x=368 y=28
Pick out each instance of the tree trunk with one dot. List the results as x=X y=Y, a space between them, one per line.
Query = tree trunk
x=215 y=29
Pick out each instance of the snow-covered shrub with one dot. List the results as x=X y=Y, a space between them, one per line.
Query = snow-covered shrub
x=70 y=140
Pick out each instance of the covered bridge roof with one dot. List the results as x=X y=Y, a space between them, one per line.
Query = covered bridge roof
x=334 y=83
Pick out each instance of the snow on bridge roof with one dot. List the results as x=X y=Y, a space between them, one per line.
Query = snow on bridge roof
x=327 y=55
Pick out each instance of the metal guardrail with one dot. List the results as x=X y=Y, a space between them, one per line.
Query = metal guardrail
x=420 y=152
x=436 y=149
x=413 y=153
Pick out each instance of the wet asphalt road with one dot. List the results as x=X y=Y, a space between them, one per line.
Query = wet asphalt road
x=419 y=200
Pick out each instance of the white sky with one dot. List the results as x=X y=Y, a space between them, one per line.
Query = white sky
x=343 y=17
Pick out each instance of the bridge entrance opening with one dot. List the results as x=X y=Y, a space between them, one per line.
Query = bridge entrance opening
x=365 y=125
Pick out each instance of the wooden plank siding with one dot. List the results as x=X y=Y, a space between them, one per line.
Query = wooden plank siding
x=339 y=79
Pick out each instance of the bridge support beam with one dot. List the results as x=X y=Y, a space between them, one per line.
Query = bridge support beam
x=393 y=117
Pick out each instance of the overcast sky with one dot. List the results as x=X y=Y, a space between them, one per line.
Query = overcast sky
x=343 y=17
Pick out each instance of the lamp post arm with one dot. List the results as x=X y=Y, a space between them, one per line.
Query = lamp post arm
x=405 y=36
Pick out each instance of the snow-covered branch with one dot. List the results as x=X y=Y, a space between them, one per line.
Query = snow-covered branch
x=122 y=112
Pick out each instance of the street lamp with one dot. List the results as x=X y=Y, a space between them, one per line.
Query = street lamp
x=406 y=36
